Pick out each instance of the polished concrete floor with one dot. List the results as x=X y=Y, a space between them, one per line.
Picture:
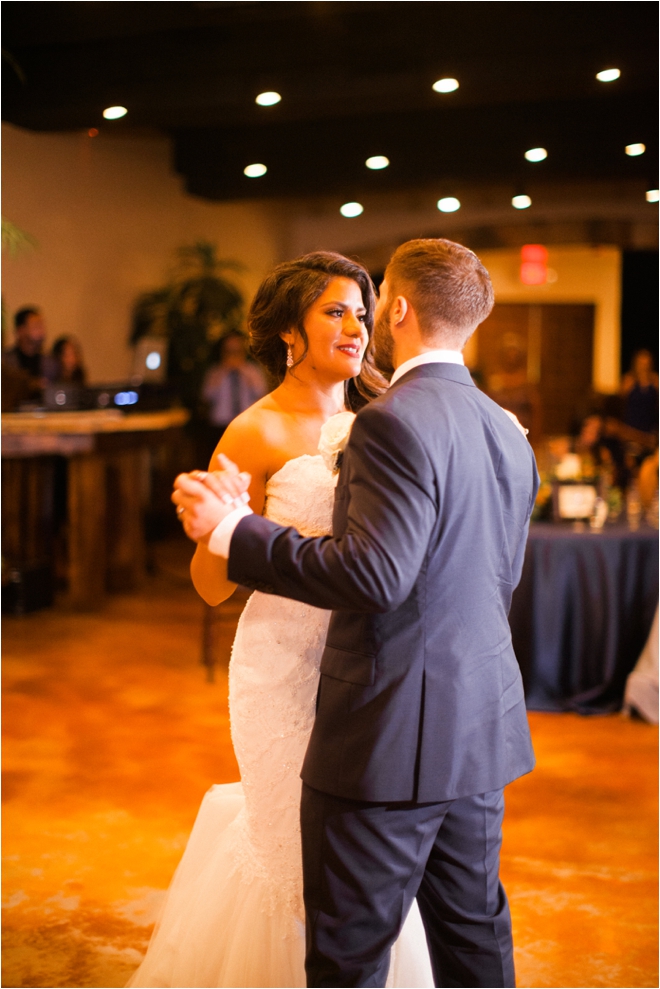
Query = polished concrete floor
x=112 y=735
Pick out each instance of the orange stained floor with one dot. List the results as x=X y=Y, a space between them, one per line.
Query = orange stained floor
x=112 y=735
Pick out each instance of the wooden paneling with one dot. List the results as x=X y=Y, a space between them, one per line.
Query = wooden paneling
x=87 y=534
x=27 y=510
x=537 y=361
x=566 y=363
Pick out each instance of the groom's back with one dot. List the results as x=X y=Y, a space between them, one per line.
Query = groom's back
x=424 y=702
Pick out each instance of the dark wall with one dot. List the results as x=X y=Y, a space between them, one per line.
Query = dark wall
x=639 y=305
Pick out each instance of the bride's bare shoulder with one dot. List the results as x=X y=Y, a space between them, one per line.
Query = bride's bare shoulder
x=256 y=437
x=263 y=423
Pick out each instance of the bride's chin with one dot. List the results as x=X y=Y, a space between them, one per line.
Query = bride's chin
x=354 y=366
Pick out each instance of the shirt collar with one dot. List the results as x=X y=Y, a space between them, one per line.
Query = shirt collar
x=430 y=357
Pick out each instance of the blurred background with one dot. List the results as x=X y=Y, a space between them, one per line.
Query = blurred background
x=160 y=158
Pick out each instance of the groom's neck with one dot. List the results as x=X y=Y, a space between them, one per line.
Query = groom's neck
x=405 y=351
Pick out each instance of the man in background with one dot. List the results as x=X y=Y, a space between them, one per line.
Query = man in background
x=230 y=387
x=26 y=369
x=233 y=384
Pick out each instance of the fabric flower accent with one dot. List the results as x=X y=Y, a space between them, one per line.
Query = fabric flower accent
x=334 y=437
x=516 y=421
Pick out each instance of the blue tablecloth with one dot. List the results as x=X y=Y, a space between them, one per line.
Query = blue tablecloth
x=581 y=614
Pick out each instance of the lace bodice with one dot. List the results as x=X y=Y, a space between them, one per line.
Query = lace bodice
x=273 y=680
x=301 y=494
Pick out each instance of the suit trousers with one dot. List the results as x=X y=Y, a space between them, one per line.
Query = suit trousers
x=364 y=863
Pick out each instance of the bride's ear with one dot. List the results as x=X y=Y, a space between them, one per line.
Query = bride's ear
x=288 y=337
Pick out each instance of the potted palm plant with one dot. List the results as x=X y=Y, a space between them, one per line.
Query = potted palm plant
x=193 y=311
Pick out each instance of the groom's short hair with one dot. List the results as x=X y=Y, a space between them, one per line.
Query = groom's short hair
x=447 y=286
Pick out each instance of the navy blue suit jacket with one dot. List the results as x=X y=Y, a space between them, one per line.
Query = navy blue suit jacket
x=420 y=696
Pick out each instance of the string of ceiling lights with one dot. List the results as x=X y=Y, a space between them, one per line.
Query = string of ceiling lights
x=446 y=204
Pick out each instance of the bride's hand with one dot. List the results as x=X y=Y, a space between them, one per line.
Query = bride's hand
x=228 y=482
x=202 y=504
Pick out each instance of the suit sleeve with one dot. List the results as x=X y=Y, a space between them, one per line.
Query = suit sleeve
x=373 y=566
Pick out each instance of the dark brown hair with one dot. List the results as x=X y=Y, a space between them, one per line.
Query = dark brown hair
x=447 y=285
x=281 y=303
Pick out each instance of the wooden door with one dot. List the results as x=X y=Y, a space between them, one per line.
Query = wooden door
x=536 y=360
x=566 y=364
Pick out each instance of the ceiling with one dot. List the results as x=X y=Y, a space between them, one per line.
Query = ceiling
x=355 y=80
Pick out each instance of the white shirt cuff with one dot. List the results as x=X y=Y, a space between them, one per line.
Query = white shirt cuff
x=220 y=539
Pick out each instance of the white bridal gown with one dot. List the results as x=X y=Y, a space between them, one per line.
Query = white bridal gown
x=234 y=913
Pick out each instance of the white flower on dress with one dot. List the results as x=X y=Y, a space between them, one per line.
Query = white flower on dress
x=334 y=437
x=514 y=419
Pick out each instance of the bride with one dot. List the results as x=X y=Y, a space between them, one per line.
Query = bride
x=234 y=914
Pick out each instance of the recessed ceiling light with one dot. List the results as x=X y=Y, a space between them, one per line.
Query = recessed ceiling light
x=114 y=112
x=268 y=99
x=521 y=202
x=377 y=162
x=608 y=75
x=653 y=195
x=448 y=204
x=445 y=85
x=255 y=171
x=536 y=154
x=351 y=209
x=635 y=149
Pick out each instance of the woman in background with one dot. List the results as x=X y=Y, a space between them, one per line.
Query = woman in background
x=67 y=356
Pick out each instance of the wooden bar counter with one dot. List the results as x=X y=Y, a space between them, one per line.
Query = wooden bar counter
x=107 y=457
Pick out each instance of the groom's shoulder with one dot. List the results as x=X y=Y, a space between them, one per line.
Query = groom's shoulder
x=423 y=391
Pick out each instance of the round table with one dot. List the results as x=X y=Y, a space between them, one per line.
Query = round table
x=582 y=613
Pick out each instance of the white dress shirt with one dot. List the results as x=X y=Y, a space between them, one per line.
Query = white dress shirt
x=430 y=357
x=221 y=535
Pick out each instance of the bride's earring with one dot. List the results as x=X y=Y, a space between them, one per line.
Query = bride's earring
x=289 y=355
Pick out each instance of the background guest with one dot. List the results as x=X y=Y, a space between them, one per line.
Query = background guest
x=647 y=481
x=233 y=384
x=68 y=361
x=26 y=369
x=639 y=390
x=600 y=451
x=229 y=387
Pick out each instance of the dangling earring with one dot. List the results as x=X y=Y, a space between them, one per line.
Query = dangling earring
x=289 y=355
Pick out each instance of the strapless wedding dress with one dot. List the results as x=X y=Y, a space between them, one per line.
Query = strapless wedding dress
x=234 y=913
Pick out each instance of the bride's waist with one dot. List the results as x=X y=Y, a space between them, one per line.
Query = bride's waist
x=280 y=635
x=276 y=609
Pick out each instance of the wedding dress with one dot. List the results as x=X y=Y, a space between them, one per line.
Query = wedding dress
x=234 y=913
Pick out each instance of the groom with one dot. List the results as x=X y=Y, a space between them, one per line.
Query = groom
x=420 y=719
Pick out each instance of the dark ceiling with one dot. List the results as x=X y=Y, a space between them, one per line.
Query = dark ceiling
x=355 y=80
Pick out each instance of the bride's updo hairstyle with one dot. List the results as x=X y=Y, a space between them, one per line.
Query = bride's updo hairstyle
x=282 y=302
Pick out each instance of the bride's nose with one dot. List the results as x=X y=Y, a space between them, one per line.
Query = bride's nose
x=352 y=326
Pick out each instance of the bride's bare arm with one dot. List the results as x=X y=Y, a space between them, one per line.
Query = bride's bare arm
x=244 y=443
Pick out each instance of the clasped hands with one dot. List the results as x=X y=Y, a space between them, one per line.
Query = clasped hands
x=205 y=498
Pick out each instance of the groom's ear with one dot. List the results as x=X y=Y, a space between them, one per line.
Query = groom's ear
x=400 y=309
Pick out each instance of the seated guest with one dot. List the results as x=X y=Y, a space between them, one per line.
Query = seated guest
x=647 y=480
x=606 y=452
x=233 y=384
x=67 y=356
x=639 y=390
x=26 y=370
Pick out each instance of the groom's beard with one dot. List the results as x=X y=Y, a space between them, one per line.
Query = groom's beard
x=384 y=344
